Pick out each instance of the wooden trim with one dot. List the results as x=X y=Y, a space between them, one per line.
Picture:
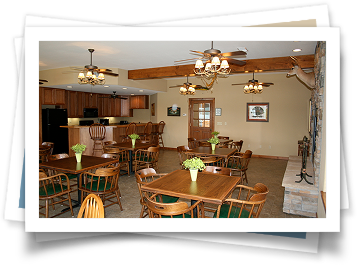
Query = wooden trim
x=265 y=64
x=271 y=157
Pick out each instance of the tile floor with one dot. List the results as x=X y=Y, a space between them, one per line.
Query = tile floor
x=267 y=171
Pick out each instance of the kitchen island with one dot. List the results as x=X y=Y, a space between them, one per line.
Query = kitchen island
x=80 y=134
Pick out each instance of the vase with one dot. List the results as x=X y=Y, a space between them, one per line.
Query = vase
x=133 y=142
x=193 y=173
x=79 y=157
x=213 y=147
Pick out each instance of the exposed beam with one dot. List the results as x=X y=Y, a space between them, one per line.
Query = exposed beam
x=266 y=64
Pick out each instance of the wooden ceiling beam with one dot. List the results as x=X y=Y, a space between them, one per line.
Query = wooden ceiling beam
x=265 y=64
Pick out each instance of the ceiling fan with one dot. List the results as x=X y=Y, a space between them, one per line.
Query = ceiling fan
x=114 y=96
x=87 y=74
x=188 y=88
x=253 y=86
x=211 y=53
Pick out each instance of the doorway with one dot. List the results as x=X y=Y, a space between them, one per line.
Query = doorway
x=201 y=119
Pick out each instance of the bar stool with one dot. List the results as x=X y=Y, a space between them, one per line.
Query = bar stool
x=129 y=130
x=97 y=134
x=160 y=131
x=147 y=132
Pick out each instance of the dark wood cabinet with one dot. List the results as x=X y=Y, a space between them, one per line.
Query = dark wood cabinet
x=75 y=104
x=126 y=111
x=52 y=96
x=139 y=102
x=90 y=100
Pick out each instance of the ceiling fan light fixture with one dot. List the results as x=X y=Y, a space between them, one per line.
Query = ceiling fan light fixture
x=215 y=61
x=101 y=76
x=199 y=64
x=224 y=64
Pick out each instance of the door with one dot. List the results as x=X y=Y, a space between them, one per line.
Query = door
x=201 y=120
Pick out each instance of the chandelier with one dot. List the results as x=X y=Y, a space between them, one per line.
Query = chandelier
x=187 y=90
x=253 y=86
x=212 y=68
x=92 y=75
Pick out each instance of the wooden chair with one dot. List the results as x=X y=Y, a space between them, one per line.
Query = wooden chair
x=92 y=207
x=143 y=177
x=183 y=154
x=235 y=144
x=97 y=134
x=147 y=135
x=223 y=137
x=44 y=152
x=109 y=143
x=204 y=143
x=50 y=144
x=52 y=188
x=239 y=164
x=192 y=142
x=129 y=130
x=173 y=210
x=72 y=177
x=159 y=132
x=146 y=158
x=122 y=156
x=249 y=202
x=104 y=183
x=218 y=170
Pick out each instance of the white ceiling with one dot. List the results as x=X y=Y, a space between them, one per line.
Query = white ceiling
x=131 y=55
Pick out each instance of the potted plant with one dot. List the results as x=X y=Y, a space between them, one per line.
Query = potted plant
x=78 y=149
x=133 y=138
x=213 y=141
x=215 y=133
x=194 y=164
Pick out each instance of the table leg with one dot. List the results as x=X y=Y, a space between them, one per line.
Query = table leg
x=195 y=209
x=78 y=202
x=130 y=161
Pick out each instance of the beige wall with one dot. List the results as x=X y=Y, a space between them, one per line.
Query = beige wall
x=288 y=102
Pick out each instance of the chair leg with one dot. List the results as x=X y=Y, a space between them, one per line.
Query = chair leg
x=70 y=203
x=46 y=208
x=119 y=202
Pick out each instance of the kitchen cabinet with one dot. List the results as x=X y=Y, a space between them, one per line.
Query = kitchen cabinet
x=75 y=104
x=139 y=102
x=90 y=100
x=53 y=96
x=125 y=107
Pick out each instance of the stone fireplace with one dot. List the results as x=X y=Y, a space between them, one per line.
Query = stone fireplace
x=302 y=198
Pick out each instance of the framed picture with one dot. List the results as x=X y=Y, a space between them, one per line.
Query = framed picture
x=258 y=112
x=218 y=111
x=173 y=112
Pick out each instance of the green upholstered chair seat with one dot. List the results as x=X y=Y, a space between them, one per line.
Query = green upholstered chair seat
x=50 y=190
x=167 y=199
x=94 y=187
x=234 y=212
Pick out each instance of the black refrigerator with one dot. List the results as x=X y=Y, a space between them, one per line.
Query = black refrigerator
x=52 y=119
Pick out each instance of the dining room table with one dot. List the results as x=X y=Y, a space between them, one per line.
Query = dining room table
x=132 y=148
x=71 y=166
x=223 y=153
x=221 y=141
x=209 y=187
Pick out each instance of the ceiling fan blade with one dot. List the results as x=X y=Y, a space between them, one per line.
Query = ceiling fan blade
x=235 y=62
x=197 y=52
x=241 y=84
x=266 y=84
x=235 y=53
x=175 y=86
x=108 y=73
x=104 y=70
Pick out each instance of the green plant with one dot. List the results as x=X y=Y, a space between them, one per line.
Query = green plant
x=78 y=148
x=215 y=133
x=213 y=140
x=134 y=136
x=194 y=163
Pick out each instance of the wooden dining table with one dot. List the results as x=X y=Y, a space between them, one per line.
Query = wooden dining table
x=209 y=187
x=132 y=148
x=71 y=166
x=224 y=153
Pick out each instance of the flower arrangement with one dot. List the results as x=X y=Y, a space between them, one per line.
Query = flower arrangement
x=134 y=136
x=215 y=133
x=213 y=140
x=194 y=163
x=78 y=148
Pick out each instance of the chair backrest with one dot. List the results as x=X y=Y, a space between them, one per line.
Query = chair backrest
x=192 y=142
x=111 y=149
x=148 y=128
x=218 y=170
x=112 y=156
x=92 y=207
x=107 y=178
x=50 y=144
x=203 y=143
x=158 y=209
x=53 y=186
x=183 y=153
x=261 y=188
x=154 y=149
x=130 y=129
x=109 y=142
x=97 y=131
x=160 y=127
x=223 y=137
x=44 y=154
x=246 y=158
x=237 y=144
x=58 y=156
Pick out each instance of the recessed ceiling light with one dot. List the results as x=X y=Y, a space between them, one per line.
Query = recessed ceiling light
x=106 y=86
x=141 y=90
x=132 y=94
x=124 y=88
x=297 y=50
x=69 y=86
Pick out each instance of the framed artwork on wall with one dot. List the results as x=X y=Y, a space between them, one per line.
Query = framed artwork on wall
x=218 y=111
x=173 y=112
x=258 y=112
